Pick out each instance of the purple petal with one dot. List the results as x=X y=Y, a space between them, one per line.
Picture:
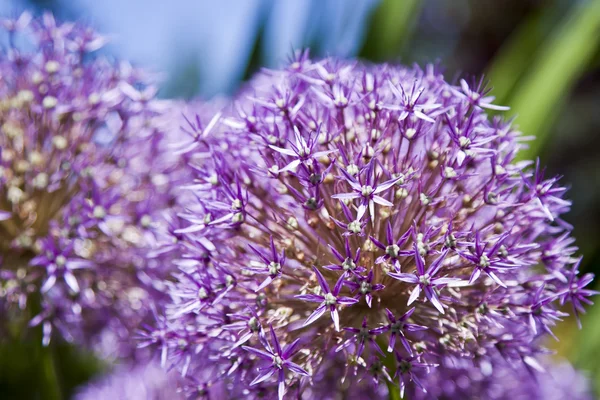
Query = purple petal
x=386 y=185
x=315 y=315
x=296 y=368
x=422 y=116
x=259 y=254
x=338 y=286
x=293 y=165
x=265 y=283
x=275 y=340
x=437 y=264
x=407 y=314
x=264 y=376
x=377 y=243
x=474 y=275
x=287 y=152
x=243 y=339
x=381 y=201
x=410 y=278
x=419 y=261
x=414 y=328
x=336 y=254
x=259 y=353
x=310 y=297
x=392 y=343
x=290 y=349
x=433 y=298
x=361 y=212
x=281 y=388
x=444 y=281
x=336 y=318
x=347 y=301
x=322 y=281
x=71 y=281
x=414 y=295
x=406 y=344
x=492 y=275
x=48 y=284
x=346 y=196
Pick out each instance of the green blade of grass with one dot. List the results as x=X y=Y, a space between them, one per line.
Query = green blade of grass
x=515 y=56
x=562 y=59
x=390 y=28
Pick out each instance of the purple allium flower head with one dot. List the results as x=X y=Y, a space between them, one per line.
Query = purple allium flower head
x=84 y=175
x=383 y=197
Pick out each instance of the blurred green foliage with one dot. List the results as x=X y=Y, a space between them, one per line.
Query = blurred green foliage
x=519 y=51
x=585 y=348
x=28 y=371
x=390 y=29
x=548 y=79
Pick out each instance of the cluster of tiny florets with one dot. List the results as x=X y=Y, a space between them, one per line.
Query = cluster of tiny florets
x=350 y=227
x=83 y=176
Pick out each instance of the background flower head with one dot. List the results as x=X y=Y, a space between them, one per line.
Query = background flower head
x=83 y=177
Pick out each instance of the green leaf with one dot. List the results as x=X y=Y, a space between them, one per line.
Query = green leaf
x=561 y=61
x=516 y=54
x=390 y=29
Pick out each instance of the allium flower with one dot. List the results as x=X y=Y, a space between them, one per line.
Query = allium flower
x=136 y=382
x=84 y=176
x=496 y=379
x=384 y=197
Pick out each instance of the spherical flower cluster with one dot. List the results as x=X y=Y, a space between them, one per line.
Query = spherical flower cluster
x=83 y=177
x=355 y=229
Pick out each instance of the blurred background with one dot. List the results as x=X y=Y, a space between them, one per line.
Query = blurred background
x=542 y=58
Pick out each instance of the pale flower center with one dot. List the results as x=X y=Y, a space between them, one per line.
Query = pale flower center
x=330 y=299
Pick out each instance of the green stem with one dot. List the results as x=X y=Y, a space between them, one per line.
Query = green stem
x=390 y=363
x=393 y=391
x=45 y=355
x=51 y=383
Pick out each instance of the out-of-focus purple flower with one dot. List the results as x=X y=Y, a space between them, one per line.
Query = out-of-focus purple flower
x=376 y=182
x=575 y=291
x=496 y=379
x=85 y=174
x=134 y=382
